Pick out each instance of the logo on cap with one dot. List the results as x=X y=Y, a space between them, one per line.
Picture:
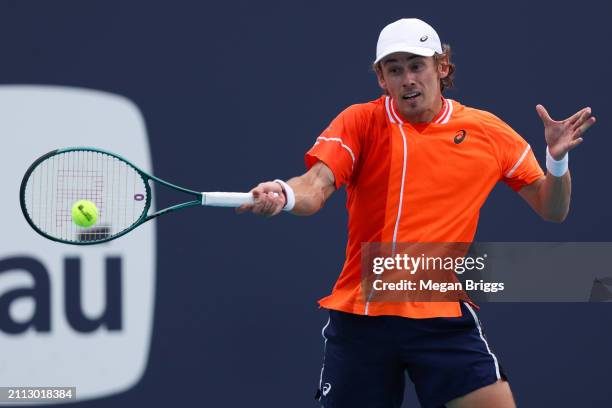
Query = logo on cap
x=424 y=38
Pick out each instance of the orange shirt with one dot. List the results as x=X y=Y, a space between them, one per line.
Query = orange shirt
x=415 y=183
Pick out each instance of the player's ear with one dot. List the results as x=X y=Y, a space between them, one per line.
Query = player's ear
x=442 y=65
x=380 y=77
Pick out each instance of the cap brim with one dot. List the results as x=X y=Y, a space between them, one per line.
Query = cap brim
x=422 y=51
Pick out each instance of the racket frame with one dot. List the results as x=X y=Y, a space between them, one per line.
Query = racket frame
x=144 y=217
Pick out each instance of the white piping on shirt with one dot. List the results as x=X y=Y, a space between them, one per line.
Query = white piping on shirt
x=388 y=111
x=444 y=111
x=518 y=163
x=395 y=115
x=448 y=114
x=393 y=118
x=401 y=196
x=337 y=139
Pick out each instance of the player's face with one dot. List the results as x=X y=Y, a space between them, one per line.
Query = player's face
x=414 y=83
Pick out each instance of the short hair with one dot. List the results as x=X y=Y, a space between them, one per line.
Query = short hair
x=449 y=81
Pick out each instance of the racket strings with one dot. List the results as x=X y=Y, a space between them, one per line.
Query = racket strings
x=57 y=183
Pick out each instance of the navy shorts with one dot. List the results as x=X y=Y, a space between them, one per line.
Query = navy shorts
x=366 y=358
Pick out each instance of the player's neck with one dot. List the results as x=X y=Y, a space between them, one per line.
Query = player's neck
x=427 y=115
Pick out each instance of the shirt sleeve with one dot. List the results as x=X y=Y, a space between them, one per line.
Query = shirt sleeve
x=340 y=145
x=519 y=166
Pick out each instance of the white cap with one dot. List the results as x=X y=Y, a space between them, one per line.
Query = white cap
x=408 y=35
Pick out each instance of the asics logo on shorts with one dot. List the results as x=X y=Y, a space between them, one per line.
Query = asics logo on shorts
x=326 y=389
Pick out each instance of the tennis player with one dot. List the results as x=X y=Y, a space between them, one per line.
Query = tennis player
x=417 y=168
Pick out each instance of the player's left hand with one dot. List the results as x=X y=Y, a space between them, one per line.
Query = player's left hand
x=563 y=136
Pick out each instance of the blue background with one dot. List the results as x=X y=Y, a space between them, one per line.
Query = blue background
x=234 y=93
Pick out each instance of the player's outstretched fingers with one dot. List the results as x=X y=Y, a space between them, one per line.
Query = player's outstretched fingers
x=583 y=125
x=582 y=117
x=543 y=113
x=575 y=143
x=578 y=115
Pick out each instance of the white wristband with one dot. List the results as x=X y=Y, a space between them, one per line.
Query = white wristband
x=557 y=167
x=289 y=194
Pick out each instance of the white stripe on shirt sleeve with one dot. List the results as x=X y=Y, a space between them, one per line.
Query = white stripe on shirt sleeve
x=518 y=163
x=337 y=139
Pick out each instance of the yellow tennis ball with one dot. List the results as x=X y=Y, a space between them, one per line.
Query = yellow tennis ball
x=84 y=213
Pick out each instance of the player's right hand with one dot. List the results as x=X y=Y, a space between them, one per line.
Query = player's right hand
x=269 y=199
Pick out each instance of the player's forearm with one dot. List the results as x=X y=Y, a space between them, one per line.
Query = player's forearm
x=555 y=193
x=303 y=195
x=312 y=189
x=309 y=195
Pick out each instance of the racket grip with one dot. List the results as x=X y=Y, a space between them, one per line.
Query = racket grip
x=221 y=199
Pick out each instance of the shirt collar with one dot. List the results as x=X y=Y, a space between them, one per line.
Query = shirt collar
x=441 y=118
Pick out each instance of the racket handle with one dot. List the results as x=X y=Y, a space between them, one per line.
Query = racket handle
x=221 y=199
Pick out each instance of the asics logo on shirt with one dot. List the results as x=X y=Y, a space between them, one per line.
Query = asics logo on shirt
x=460 y=136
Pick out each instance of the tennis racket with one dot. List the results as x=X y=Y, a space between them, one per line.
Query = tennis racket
x=119 y=189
